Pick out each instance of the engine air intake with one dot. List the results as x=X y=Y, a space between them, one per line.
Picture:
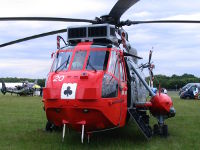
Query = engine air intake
x=92 y=33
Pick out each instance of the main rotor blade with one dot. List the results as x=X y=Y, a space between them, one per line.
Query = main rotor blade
x=120 y=8
x=33 y=37
x=45 y=19
x=128 y=22
x=151 y=74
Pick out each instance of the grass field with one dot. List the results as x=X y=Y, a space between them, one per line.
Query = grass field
x=22 y=122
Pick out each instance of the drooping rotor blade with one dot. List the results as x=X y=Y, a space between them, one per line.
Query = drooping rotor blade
x=45 y=19
x=120 y=8
x=128 y=54
x=33 y=37
x=128 y=22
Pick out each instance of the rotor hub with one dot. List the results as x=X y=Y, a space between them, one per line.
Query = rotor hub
x=106 y=19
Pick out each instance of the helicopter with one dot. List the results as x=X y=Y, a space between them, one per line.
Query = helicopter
x=95 y=83
x=25 y=89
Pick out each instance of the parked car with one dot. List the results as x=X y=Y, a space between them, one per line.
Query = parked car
x=187 y=86
x=190 y=91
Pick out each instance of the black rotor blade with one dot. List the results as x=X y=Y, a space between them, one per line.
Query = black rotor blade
x=120 y=7
x=128 y=54
x=33 y=37
x=159 y=21
x=45 y=19
x=151 y=74
x=150 y=56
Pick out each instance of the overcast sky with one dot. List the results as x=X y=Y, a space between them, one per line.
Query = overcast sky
x=176 y=46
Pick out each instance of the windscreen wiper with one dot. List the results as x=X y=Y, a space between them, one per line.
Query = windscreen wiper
x=88 y=63
x=65 y=62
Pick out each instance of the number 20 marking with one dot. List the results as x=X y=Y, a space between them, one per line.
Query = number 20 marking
x=58 y=78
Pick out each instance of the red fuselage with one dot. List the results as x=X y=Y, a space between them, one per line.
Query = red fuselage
x=93 y=93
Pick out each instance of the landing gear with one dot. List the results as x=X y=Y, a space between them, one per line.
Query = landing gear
x=156 y=129
x=88 y=137
x=165 y=130
x=82 y=133
x=51 y=127
x=160 y=128
x=63 y=135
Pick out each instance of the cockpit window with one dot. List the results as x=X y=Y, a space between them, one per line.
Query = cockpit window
x=61 y=61
x=78 y=61
x=97 y=60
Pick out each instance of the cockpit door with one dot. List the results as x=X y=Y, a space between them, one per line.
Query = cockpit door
x=114 y=76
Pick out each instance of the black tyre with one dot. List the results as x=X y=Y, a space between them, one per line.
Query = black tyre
x=156 y=129
x=165 y=130
x=189 y=98
x=49 y=126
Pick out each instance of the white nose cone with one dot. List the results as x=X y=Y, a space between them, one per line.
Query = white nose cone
x=68 y=91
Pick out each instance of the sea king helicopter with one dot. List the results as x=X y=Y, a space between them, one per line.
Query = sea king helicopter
x=95 y=82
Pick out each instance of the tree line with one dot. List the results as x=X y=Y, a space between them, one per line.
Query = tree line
x=174 y=82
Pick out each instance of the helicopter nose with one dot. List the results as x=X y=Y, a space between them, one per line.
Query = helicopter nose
x=162 y=104
x=172 y=112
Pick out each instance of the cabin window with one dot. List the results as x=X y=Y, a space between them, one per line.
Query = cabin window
x=109 y=87
x=97 y=60
x=79 y=60
x=113 y=64
x=61 y=61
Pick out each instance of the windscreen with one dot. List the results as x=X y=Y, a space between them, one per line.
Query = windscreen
x=97 y=60
x=79 y=60
x=61 y=61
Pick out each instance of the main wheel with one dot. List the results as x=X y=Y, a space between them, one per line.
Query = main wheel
x=156 y=129
x=49 y=126
x=165 y=130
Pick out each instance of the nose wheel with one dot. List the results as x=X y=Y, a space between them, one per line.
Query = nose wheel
x=51 y=127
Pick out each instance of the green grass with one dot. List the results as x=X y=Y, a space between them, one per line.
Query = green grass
x=22 y=122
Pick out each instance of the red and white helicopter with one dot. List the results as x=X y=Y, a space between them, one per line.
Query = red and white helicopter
x=95 y=83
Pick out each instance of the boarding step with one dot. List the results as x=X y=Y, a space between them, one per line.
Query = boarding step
x=143 y=126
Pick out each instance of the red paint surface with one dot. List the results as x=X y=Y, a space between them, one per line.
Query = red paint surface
x=161 y=104
x=97 y=113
